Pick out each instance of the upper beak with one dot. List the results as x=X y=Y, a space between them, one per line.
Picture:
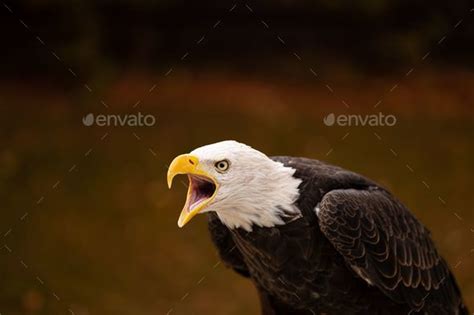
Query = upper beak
x=182 y=164
x=188 y=164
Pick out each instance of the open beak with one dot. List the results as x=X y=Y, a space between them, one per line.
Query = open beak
x=202 y=187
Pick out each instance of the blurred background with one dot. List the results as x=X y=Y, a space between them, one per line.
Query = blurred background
x=88 y=225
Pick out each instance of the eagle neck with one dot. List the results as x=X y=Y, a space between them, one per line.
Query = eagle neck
x=269 y=200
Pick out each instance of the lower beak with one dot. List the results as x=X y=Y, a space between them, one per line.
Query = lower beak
x=189 y=164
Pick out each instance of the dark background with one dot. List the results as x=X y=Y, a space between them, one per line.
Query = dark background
x=88 y=225
x=370 y=35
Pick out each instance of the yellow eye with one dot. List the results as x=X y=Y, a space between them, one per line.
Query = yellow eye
x=222 y=166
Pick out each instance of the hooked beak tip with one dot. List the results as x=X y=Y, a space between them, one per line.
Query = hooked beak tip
x=170 y=181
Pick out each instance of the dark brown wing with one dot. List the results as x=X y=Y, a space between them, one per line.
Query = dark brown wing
x=389 y=248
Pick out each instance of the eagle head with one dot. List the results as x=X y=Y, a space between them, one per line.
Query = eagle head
x=242 y=185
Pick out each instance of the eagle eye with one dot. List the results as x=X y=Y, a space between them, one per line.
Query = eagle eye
x=222 y=166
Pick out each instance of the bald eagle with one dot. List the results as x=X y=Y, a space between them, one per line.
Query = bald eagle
x=315 y=238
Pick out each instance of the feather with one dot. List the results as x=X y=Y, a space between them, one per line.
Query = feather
x=354 y=249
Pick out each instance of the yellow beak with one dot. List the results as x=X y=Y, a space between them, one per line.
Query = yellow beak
x=189 y=164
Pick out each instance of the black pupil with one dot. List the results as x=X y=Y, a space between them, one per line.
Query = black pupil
x=222 y=165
